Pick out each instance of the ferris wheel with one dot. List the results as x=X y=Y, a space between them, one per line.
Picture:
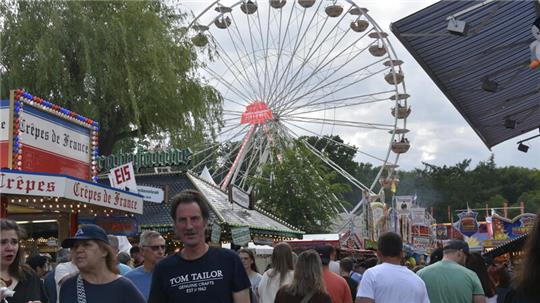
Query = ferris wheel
x=291 y=69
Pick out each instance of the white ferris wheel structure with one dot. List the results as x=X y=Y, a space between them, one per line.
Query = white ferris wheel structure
x=291 y=69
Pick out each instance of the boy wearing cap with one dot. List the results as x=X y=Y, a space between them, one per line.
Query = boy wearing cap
x=449 y=281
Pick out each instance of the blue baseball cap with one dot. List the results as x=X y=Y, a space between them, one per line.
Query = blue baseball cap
x=87 y=232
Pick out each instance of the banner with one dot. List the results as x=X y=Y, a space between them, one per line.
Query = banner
x=151 y=194
x=507 y=229
x=404 y=204
x=240 y=235
x=4 y=133
x=216 y=233
x=467 y=224
x=418 y=216
x=123 y=177
x=49 y=185
x=238 y=196
x=441 y=232
x=377 y=210
x=421 y=244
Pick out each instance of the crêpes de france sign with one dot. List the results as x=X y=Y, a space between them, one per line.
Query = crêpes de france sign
x=51 y=185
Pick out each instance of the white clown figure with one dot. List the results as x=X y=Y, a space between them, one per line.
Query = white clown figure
x=535 y=46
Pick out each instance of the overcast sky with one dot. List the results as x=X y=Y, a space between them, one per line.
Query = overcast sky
x=439 y=134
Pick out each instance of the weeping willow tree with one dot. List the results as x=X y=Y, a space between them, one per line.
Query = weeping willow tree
x=122 y=63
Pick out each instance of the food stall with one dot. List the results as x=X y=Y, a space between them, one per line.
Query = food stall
x=48 y=170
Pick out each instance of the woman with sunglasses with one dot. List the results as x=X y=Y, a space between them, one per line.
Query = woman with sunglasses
x=152 y=247
x=98 y=279
x=13 y=276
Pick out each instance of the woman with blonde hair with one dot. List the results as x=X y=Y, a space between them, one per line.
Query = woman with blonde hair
x=280 y=274
x=98 y=279
x=307 y=285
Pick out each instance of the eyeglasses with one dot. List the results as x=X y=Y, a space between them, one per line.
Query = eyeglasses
x=156 y=247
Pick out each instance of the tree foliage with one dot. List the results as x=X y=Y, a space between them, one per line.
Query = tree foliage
x=121 y=63
x=300 y=190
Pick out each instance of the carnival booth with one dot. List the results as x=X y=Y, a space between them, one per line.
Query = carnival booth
x=48 y=171
x=234 y=218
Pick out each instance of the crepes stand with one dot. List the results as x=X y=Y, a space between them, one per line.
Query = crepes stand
x=48 y=170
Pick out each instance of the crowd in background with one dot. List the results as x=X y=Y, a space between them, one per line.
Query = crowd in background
x=90 y=268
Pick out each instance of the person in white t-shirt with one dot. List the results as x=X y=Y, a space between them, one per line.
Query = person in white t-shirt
x=389 y=282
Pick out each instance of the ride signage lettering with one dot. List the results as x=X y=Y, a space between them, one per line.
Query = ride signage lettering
x=256 y=113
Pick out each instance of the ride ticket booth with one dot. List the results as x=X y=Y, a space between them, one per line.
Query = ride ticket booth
x=48 y=171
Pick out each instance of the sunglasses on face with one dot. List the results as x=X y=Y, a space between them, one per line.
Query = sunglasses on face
x=156 y=247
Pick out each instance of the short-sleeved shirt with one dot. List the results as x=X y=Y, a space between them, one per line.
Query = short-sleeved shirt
x=392 y=283
x=213 y=277
x=120 y=290
x=123 y=268
x=449 y=282
x=141 y=279
x=337 y=287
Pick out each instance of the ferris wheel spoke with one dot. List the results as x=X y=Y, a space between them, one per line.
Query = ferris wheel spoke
x=243 y=129
x=331 y=164
x=321 y=67
x=336 y=103
x=317 y=86
x=311 y=53
x=280 y=45
x=367 y=125
x=266 y=54
x=239 y=36
x=253 y=52
x=234 y=102
x=227 y=84
x=335 y=166
x=285 y=73
x=253 y=160
x=335 y=90
x=316 y=134
x=230 y=63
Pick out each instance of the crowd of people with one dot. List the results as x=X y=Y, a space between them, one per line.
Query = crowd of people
x=91 y=269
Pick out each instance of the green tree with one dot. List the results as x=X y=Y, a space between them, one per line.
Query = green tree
x=300 y=190
x=343 y=155
x=121 y=63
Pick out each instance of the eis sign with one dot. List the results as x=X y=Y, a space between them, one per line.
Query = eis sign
x=46 y=137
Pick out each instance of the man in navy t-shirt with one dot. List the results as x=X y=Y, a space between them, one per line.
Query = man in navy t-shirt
x=198 y=273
